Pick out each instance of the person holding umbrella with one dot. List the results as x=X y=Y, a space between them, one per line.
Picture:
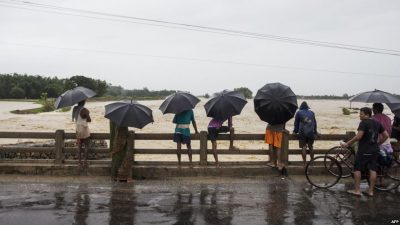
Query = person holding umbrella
x=82 y=118
x=182 y=132
x=222 y=107
x=273 y=137
x=385 y=121
x=275 y=103
x=120 y=164
x=79 y=114
x=214 y=128
x=181 y=104
x=123 y=115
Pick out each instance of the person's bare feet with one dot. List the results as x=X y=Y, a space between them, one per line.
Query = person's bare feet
x=353 y=192
x=233 y=148
x=367 y=193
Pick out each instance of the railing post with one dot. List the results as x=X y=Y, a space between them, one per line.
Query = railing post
x=285 y=147
x=130 y=152
x=59 y=147
x=203 y=148
x=131 y=144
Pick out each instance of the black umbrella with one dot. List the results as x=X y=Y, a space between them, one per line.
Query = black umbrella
x=225 y=104
x=178 y=102
x=395 y=107
x=73 y=96
x=275 y=103
x=129 y=114
x=375 y=96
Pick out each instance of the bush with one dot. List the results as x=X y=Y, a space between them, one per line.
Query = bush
x=47 y=105
x=247 y=92
x=345 y=111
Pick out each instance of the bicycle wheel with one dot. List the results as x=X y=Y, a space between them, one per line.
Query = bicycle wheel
x=384 y=181
x=319 y=176
x=394 y=170
x=345 y=157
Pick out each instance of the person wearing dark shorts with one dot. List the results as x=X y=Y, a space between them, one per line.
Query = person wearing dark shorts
x=368 y=148
x=305 y=127
x=182 y=132
x=214 y=128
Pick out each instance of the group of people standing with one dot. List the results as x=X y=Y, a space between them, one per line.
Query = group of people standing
x=119 y=135
x=373 y=136
x=305 y=127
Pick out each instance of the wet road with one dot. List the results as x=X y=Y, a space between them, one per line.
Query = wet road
x=263 y=200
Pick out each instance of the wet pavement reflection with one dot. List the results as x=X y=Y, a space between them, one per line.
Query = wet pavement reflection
x=219 y=201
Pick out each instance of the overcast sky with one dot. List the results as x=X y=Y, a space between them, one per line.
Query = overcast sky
x=137 y=54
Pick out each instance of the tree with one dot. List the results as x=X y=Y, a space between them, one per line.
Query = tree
x=99 y=86
x=247 y=92
x=17 y=92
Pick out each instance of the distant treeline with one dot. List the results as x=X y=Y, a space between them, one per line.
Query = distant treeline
x=22 y=86
x=344 y=96
x=137 y=93
x=17 y=86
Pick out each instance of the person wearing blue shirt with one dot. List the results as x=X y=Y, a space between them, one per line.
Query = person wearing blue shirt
x=182 y=132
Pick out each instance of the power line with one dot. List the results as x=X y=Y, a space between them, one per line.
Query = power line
x=109 y=16
x=206 y=60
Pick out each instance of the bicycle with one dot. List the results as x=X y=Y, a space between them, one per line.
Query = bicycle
x=339 y=163
x=388 y=177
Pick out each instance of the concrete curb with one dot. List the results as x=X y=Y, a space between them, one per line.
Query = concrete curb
x=144 y=171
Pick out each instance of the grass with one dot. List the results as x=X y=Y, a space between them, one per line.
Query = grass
x=39 y=110
x=28 y=111
x=18 y=100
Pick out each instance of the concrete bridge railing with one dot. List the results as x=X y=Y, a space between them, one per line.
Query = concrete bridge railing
x=60 y=136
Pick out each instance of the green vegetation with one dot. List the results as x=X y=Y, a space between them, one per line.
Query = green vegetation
x=333 y=97
x=17 y=86
x=47 y=106
x=345 y=111
x=145 y=93
x=247 y=92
